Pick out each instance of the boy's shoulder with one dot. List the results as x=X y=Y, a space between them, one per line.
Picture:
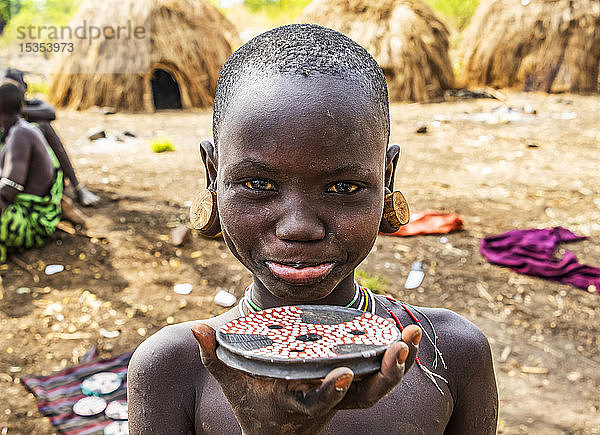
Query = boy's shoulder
x=443 y=322
x=173 y=346
x=463 y=346
x=452 y=325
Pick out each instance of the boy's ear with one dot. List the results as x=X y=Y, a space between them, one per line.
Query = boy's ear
x=210 y=160
x=391 y=161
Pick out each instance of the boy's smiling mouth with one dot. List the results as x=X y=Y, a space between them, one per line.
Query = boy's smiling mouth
x=299 y=274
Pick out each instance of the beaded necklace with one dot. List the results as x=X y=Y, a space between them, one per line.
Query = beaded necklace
x=367 y=299
x=428 y=373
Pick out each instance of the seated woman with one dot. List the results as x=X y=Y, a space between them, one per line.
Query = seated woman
x=31 y=182
x=43 y=114
x=300 y=180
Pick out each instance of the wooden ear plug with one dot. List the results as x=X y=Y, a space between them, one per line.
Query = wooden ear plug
x=395 y=209
x=203 y=211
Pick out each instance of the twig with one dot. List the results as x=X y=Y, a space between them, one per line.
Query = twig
x=27 y=267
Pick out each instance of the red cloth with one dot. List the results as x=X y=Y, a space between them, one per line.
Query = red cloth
x=430 y=222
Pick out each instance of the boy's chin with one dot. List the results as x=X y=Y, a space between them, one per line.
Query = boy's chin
x=300 y=293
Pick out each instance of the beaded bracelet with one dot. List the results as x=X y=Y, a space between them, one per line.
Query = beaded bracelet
x=12 y=184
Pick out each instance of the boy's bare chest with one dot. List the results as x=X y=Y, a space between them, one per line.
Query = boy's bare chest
x=414 y=407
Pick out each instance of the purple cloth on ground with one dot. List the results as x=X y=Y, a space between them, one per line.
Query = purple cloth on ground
x=532 y=252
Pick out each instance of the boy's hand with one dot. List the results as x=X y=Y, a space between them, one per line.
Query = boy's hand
x=276 y=406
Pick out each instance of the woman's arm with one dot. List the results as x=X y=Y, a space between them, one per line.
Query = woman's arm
x=38 y=111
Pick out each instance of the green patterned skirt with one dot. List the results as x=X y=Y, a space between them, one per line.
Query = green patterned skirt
x=30 y=220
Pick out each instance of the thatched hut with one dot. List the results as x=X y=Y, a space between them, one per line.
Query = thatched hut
x=536 y=45
x=407 y=39
x=174 y=64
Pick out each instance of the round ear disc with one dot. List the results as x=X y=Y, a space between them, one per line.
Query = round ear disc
x=203 y=210
x=395 y=209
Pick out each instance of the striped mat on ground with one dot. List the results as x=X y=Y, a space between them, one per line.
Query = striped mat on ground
x=57 y=393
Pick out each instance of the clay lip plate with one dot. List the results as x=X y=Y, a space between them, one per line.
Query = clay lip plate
x=305 y=342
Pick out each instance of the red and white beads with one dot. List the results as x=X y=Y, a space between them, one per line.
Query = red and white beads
x=292 y=338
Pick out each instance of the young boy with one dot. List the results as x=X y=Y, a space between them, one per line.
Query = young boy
x=30 y=183
x=299 y=170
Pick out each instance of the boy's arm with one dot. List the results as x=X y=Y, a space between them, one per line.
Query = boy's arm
x=161 y=383
x=476 y=396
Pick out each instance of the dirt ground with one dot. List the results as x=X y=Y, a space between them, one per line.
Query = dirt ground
x=536 y=172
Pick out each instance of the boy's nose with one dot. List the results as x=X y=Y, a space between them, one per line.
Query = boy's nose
x=300 y=224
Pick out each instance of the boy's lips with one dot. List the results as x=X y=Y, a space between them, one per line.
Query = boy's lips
x=300 y=274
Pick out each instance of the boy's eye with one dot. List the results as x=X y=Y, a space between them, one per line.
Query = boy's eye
x=343 y=187
x=259 y=185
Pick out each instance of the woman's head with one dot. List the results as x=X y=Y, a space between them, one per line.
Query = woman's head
x=301 y=163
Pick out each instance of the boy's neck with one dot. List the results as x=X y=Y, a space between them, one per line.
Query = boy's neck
x=341 y=295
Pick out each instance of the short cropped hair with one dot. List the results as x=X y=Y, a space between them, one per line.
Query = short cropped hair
x=302 y=49
x=11 y=98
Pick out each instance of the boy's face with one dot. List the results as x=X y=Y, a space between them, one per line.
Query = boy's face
x=300 y=182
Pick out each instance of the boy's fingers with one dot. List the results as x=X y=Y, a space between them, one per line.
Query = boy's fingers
x=412 y=337
x=369 y=391
x=392 y=364
x=332 y=390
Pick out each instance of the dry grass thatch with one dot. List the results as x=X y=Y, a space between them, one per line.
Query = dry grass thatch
x=538 y=45
x=407 y=39
x=190 y=39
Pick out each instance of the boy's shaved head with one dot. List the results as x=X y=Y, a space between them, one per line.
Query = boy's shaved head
x=302 y=49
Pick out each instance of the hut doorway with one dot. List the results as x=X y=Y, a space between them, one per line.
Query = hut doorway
x=165 y=91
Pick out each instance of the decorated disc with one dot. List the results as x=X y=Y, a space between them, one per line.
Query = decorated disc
x=306 y=342
x=101 y=383
x=117 y=410
x=117 y=428
x=202 y=210
x=89 y=406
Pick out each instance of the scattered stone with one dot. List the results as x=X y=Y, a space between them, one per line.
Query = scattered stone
x=183 y=289
x=96 y=133
x=534 y=370
x=108 y=334
x=129 y=133
x=465 y=94
x=51 y=269
x=422 y=129
x=505 y=353
x=225 y=299
x=568 y=115
x=180 y=235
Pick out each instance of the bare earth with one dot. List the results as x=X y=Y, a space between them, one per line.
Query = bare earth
x=541 y=172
